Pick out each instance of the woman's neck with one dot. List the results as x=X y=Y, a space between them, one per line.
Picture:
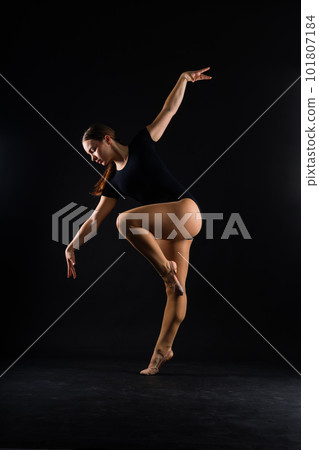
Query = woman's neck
x=120 y=154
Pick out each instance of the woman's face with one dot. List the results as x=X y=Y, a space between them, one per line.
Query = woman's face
x=100 y=151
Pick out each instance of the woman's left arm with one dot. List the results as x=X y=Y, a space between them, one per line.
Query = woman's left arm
x=173 y=101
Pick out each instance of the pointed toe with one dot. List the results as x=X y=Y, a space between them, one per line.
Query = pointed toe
x=154 y=370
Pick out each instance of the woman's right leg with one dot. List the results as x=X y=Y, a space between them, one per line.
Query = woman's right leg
x=176 y=305
x=175 y=310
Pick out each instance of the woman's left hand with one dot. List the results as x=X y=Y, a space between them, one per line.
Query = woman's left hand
x=196 y=75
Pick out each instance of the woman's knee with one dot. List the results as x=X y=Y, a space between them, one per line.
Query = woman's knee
x=122 y=223
x=180 y=315
x=127 y=219
x=180 y=309
x=119 y=222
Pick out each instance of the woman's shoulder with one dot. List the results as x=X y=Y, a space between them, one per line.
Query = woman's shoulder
x=142 y=137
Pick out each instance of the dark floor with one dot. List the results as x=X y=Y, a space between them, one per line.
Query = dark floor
x=91 y=404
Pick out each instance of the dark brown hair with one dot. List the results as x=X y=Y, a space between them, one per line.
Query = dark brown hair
x=97 y=132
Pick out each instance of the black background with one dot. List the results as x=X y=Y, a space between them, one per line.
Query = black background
x=117 y=64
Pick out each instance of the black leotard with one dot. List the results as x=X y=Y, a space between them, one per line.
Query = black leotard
x=144 y=176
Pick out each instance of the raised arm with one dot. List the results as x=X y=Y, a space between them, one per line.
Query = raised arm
x=173 y=101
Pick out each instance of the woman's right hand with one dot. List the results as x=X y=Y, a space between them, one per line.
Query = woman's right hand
x=196 y=75
x=70 y=260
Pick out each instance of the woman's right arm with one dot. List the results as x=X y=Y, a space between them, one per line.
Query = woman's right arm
x=173 y=102
x=91 y=225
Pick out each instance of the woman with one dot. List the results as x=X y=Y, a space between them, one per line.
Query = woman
x=137 y=171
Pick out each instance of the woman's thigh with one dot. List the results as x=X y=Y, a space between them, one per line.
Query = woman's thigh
x=172 y=220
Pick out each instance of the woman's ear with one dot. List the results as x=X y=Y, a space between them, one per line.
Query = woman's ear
x=108 y=138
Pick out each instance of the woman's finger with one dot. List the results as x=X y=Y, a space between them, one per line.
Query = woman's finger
x=205 y=77
x=73 y=271
x=69 y=269
x=204 y=70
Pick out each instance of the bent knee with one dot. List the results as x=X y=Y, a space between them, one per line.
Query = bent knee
x=118 y=221
x=121 y=224
x=131 y=219
x=122 y=220
x=125 y=222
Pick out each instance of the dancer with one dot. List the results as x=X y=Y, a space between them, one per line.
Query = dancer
x=137 y=171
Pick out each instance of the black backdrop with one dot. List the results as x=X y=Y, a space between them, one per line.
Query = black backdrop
x=117 y=64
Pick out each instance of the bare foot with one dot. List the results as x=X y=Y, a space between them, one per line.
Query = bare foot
x=171 y=280
x=156 y=362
